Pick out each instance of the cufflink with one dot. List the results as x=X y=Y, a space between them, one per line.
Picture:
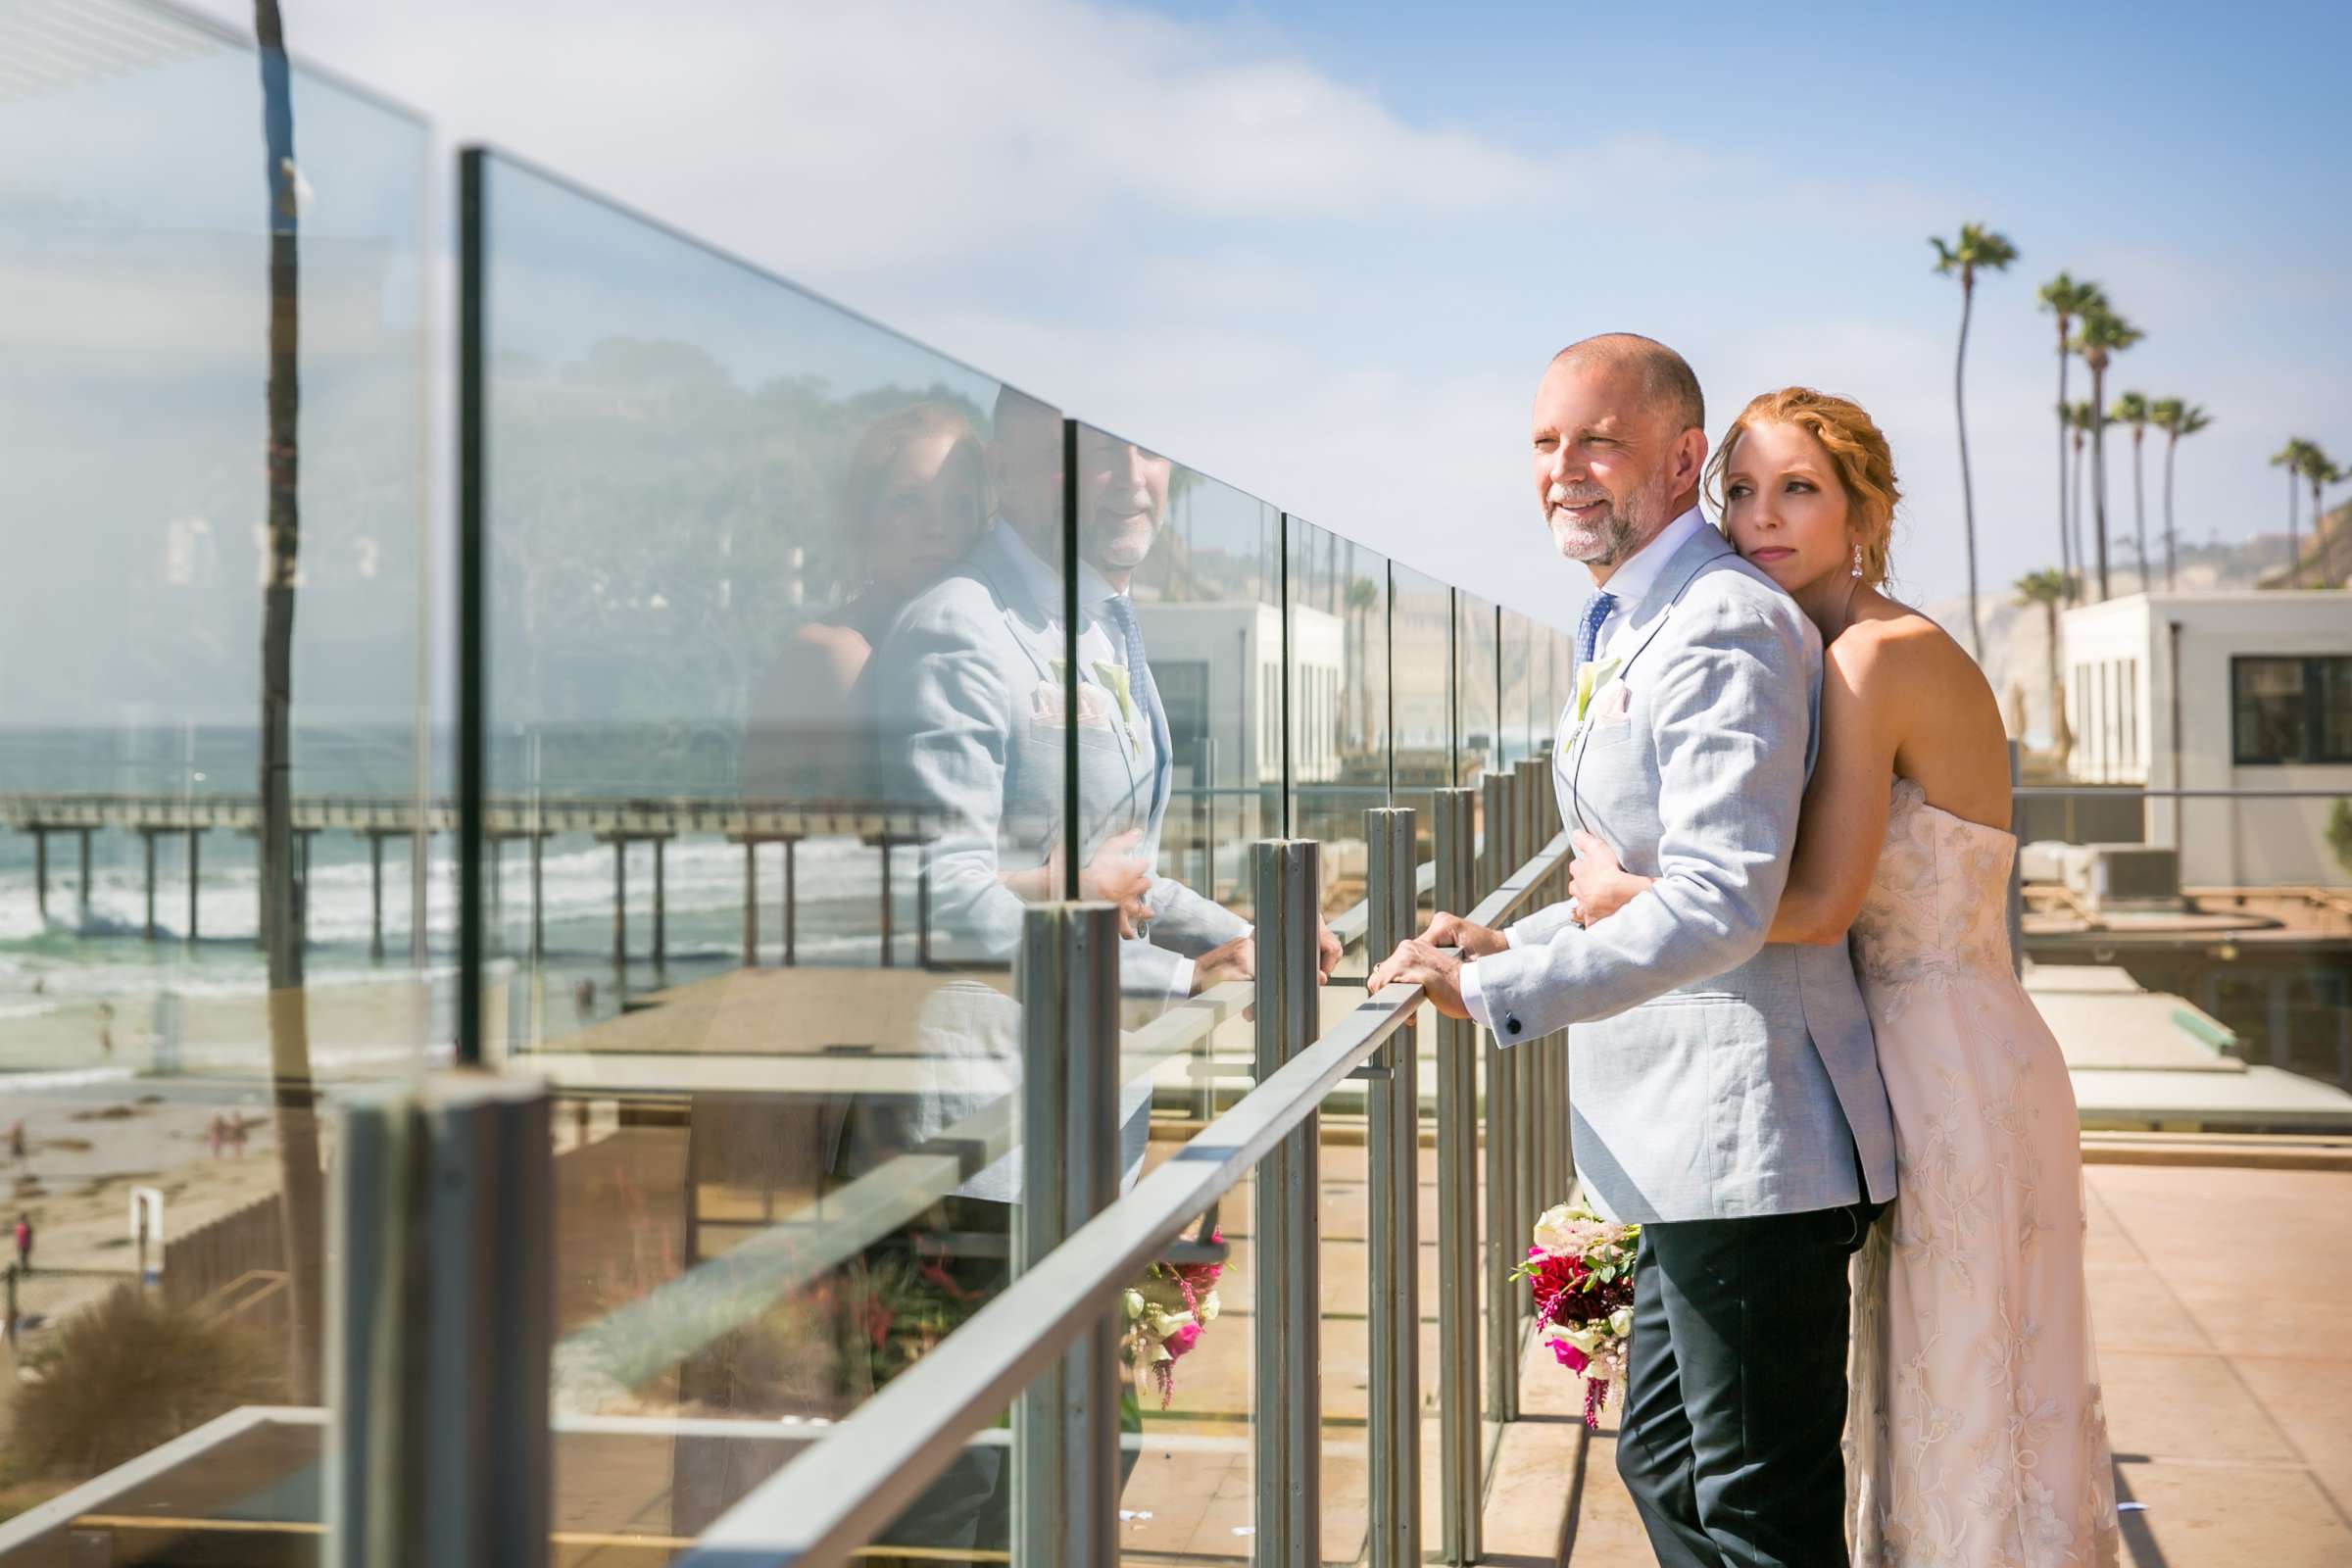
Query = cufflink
x=1510 y=1026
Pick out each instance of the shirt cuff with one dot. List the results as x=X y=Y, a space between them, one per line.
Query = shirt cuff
x=1511 y=935
x=1180 y=982
x=1474 y=997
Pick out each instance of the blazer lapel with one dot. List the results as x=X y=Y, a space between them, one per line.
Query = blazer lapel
x=1707 y=545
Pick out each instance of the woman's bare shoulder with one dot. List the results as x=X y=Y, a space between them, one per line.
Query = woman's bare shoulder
x=1893 y=649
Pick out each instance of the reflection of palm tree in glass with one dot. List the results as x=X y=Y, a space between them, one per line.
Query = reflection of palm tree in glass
x=1363 y=596
x=302 y=1201
x=914 y=498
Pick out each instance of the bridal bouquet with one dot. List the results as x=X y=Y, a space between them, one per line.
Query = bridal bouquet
x=1581 y=1271
x=1165 y=1314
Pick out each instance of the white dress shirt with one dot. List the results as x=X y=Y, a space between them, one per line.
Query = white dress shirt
x=1629 y=584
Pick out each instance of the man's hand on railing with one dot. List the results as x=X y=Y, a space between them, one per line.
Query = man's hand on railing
x=1230 y=961
x=1436 y=970
x=1452 y=931
x=1238 y=959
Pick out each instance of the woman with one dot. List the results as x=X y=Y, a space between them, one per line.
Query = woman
x=1976 y=1430
x=914 y=498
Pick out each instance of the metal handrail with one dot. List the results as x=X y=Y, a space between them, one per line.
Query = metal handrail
x=838 y=1495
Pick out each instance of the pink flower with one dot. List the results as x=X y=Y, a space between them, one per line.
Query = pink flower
x=1183 y=1340
x=1569 y=1355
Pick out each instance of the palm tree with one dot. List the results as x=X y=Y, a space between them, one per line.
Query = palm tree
x=1976 y=247
x=2329 y=474
x=2067 y=299
x=2132 y=409
x=2049 y=590
x=2176 y=418
x=2293 y=458
x=2103 y=336
x=2076 y=419
x=2320 y=471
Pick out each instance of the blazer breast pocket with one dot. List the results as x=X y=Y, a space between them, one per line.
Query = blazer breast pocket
x=1052 y=732
x=1607 y=733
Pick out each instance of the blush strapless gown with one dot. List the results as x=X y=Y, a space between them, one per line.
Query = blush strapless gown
x=1976 y=1437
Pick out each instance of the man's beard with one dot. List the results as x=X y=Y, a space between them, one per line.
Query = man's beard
x=1621 y=529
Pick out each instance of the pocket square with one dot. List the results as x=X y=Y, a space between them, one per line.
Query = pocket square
x=1614 y=706
x=1050 y=706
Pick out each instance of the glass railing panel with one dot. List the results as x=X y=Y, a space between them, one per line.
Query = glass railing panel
x=1548 y=685
x=1517 y=654
x=1179 y=774
x=779 y=709
x=1477 y=675
x=1421 y=686
x=183 y=955
x=1339 y=711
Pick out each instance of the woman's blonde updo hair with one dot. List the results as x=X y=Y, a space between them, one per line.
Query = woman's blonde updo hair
x=1856 y=447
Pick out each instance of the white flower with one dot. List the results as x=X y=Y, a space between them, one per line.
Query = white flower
x=1621 y=1322
x=1568 y=1229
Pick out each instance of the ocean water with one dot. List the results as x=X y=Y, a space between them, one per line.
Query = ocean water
x=83 y=951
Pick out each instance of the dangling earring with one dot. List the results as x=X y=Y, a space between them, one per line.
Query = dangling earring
x=1857 y=560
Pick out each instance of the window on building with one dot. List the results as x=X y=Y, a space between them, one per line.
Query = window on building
x=2130 y=683
x=1184 y=696
x=2292 y=710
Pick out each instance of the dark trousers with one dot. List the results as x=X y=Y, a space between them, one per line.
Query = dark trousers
x=1736 y=1389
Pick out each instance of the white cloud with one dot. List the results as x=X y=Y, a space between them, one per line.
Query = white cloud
x=849 y=135
x=1181 y=230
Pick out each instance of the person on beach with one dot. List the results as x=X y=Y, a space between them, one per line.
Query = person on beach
x=25 y=1242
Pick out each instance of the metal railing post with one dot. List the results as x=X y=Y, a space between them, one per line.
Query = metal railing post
x=1499 y=1120
x=1543 y=1055
x=1393 y=1148
x=1563 y=1159
x=1493 y=836
x=1524 y=1059
x=1460 y=1485
x=1065 y=1425
x=443 y=1312
x=1286 y=886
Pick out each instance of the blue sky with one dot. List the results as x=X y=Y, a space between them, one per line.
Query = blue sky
x=1322 y=250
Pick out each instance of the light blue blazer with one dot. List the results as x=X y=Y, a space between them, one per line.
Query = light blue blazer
x=1712 y=1075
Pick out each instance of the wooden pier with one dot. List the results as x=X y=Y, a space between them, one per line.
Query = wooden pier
x=534 y=820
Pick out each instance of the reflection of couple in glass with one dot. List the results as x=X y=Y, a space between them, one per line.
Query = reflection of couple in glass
x=978 y=691
x=972 y=698
x=969 y=714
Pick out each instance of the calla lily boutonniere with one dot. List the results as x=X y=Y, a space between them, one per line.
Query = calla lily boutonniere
x=1115 y=677
x=1590 y=679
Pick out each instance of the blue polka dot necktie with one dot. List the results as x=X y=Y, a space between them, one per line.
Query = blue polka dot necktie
x=1587 y=633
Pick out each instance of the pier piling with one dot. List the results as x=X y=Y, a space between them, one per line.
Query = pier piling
x=751 y=903
x=147 y=847
x=195 y=858
x=790 y=903
x=661 y=911
x=376 y=894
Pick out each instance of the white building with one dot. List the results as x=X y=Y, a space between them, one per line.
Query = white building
x=2219 y=691
x=1218 y=667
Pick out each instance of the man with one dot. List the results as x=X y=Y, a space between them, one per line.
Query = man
x=973 y=703
x=1725 y=1093
x=975 y=707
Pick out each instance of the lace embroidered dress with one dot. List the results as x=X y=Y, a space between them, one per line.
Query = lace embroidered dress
x=1975 y=1437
